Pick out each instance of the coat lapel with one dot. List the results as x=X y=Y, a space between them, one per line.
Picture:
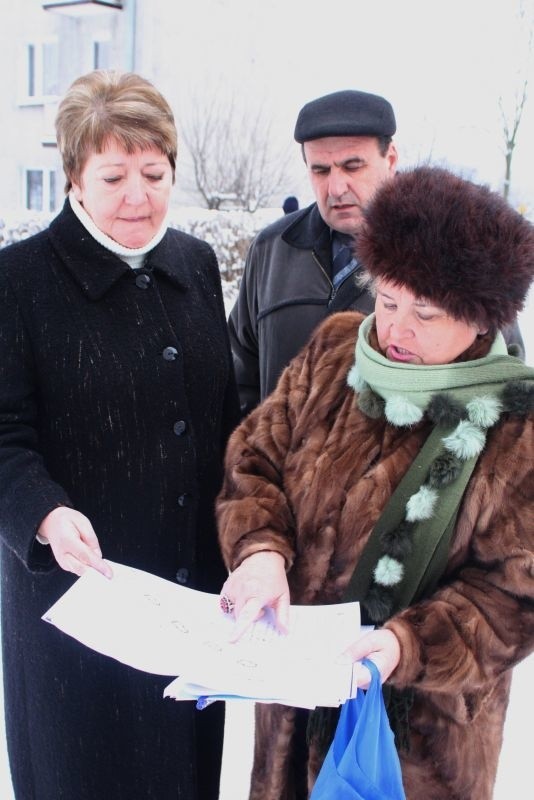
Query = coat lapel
x=167 y=257
x=94 y=268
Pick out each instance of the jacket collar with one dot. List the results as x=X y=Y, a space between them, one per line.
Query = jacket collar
x=308 y=231
x=95 y=268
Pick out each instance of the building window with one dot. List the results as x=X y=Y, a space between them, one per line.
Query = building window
x=52 y=190
x=40 y=190
x=50 y=69
x=31 y=70
x=101 y=54
x=42 y=70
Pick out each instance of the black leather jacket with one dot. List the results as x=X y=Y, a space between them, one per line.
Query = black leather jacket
x=285 y=292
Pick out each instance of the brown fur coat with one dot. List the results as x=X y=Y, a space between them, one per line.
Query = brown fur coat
x=308 y=475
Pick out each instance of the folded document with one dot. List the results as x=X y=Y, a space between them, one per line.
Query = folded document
x=161 y=627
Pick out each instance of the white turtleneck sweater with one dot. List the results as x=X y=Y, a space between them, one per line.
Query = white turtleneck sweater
x=133 y=256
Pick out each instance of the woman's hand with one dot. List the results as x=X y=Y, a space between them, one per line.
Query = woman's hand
x=258 y=582
x=380 y=646
x=73 y=541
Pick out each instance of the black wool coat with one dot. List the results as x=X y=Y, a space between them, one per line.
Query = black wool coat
x=117 y=396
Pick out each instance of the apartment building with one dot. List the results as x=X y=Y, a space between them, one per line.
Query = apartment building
x=46 y=44
x=197 y=54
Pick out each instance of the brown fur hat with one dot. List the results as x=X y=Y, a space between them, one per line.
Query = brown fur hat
x=452 y=242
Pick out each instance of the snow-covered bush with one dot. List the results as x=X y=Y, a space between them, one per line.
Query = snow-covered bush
x=228 y=232
x=13 y=230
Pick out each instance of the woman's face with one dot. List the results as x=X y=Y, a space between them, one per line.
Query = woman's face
x=412 y=330
x=126 y=195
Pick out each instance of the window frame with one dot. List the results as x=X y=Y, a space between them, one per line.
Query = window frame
x=33 y=75
x=103 y=40
x=49 y=177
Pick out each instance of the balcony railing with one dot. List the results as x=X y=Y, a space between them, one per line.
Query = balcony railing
x=79 y=8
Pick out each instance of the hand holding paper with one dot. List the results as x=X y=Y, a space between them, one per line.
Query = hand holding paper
x=161 y=627
x=259 y=582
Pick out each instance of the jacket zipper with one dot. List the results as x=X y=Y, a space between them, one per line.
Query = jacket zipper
x=327 y=276
x=333 y=289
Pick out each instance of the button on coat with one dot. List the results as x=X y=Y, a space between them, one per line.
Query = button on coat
x=143 y=281
x=170 y=353
x=182 y=575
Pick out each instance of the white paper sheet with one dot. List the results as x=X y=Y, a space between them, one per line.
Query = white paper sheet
x=167 y=629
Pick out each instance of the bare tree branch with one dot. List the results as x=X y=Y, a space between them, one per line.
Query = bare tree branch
x=233 y=155
x=510 y=124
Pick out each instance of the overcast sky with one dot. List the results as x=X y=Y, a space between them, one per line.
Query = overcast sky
x=442 y=65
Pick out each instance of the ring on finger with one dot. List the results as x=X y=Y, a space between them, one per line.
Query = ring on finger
x=226 y=605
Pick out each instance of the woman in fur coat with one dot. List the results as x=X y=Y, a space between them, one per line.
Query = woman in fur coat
x=393 y=465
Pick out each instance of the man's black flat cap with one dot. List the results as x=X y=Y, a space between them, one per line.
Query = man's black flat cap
x=346 y=113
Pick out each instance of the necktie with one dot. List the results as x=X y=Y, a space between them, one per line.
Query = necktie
x=343 y=264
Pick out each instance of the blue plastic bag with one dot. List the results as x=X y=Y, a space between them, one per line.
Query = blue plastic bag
x=362 y=762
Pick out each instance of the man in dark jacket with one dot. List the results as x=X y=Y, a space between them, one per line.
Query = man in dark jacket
x=301 y=268
x=292 y=280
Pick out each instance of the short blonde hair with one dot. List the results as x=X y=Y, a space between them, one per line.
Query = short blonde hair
x=107 y=104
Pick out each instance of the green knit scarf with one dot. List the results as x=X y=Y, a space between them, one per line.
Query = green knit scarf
x=404 y=385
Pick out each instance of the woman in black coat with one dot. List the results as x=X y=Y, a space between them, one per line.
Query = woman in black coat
x=116 y=399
